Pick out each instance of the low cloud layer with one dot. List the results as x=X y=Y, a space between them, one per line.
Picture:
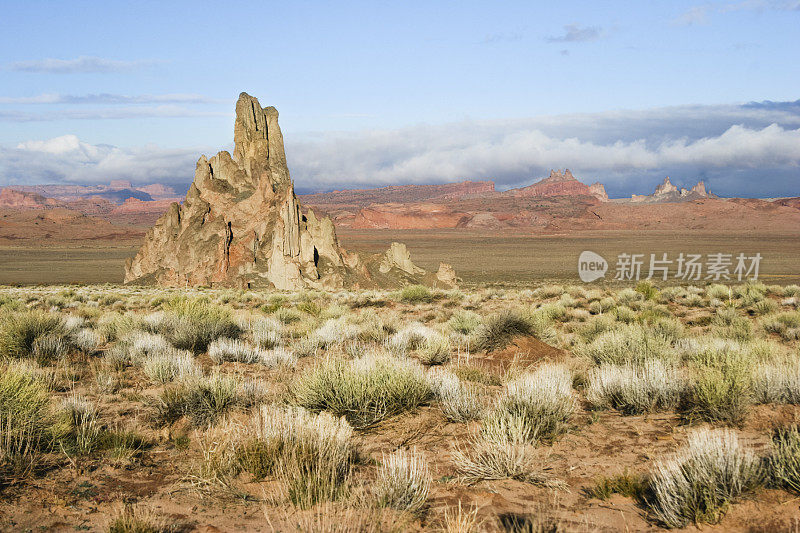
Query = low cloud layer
x=739 y=150
x=79 y=65
x=67 y=159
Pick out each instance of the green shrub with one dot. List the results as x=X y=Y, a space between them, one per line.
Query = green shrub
x=19 y=332
x=720 y=391
x=25 y=419
x=728 y=324
x=202 y=400
x=625 y=484
x=78 y=428
x=194 y=323
x=309 y=307
x=365 y=390
x=498 y=331
x=784 y=459
x=646 y=289
x=464 y=322
x=414 y=294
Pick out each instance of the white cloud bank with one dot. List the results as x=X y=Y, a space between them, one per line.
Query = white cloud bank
x=747 y=150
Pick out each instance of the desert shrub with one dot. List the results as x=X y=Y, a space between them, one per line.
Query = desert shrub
x=542 y=401
x=223 y=350
x=595 y=308
x=646 y=289
x=78 y=427
x=765 y=307
x=24 y=419
x=279 y=356
x=635 y=388
x=194 y=323
x=501 y=451
x=403 y=481
x=699 y=482
x=210 y=398
x=624 y=314
x=310 y=453
x=464 y=322
x=132 y=519
x=668 y=327
x=787 y=325
x=435 y=350
x=476 y=374
x=432 y=346
x=203 y=400
x=265 y=332
x=171 y=365
x=720 y=292
x=728 y=324
x=19 y=332
x=596 y=326
x=414 y=294
x=628 y=343
x=336 y=331
x=498 y=330
x=138 y=345
x=625 y=484
x=720 y=388
x=777 y=382
x=307 y=346
x=286 y=315
x=628 y=296
x=365 y=390
x=784 y=459
x=113 y=326
x=309 y=307
x=85 y=339
x=458 y=402
x=791 y=290
x=50 y=347
x=123 y=444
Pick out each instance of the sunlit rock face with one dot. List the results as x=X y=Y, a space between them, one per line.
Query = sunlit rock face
x=242 y=226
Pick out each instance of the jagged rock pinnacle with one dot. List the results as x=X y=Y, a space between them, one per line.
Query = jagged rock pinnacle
x=241 y=225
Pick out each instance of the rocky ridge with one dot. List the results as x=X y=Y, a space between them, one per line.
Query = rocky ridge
x=241 y=225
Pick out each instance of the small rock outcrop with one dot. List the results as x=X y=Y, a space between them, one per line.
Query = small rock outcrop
x=241 y=225
x=666 y=192
x=598 y=190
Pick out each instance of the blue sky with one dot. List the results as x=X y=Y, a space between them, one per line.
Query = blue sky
x=372 y=93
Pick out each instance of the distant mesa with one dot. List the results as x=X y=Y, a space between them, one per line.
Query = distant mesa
x=561 y=183
x=17 y=199
x=241 y=225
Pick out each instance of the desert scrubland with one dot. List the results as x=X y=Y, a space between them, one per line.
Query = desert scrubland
x=549 y=408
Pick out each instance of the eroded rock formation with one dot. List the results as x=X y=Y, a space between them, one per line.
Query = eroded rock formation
x=667 y=192
x=242 y=225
